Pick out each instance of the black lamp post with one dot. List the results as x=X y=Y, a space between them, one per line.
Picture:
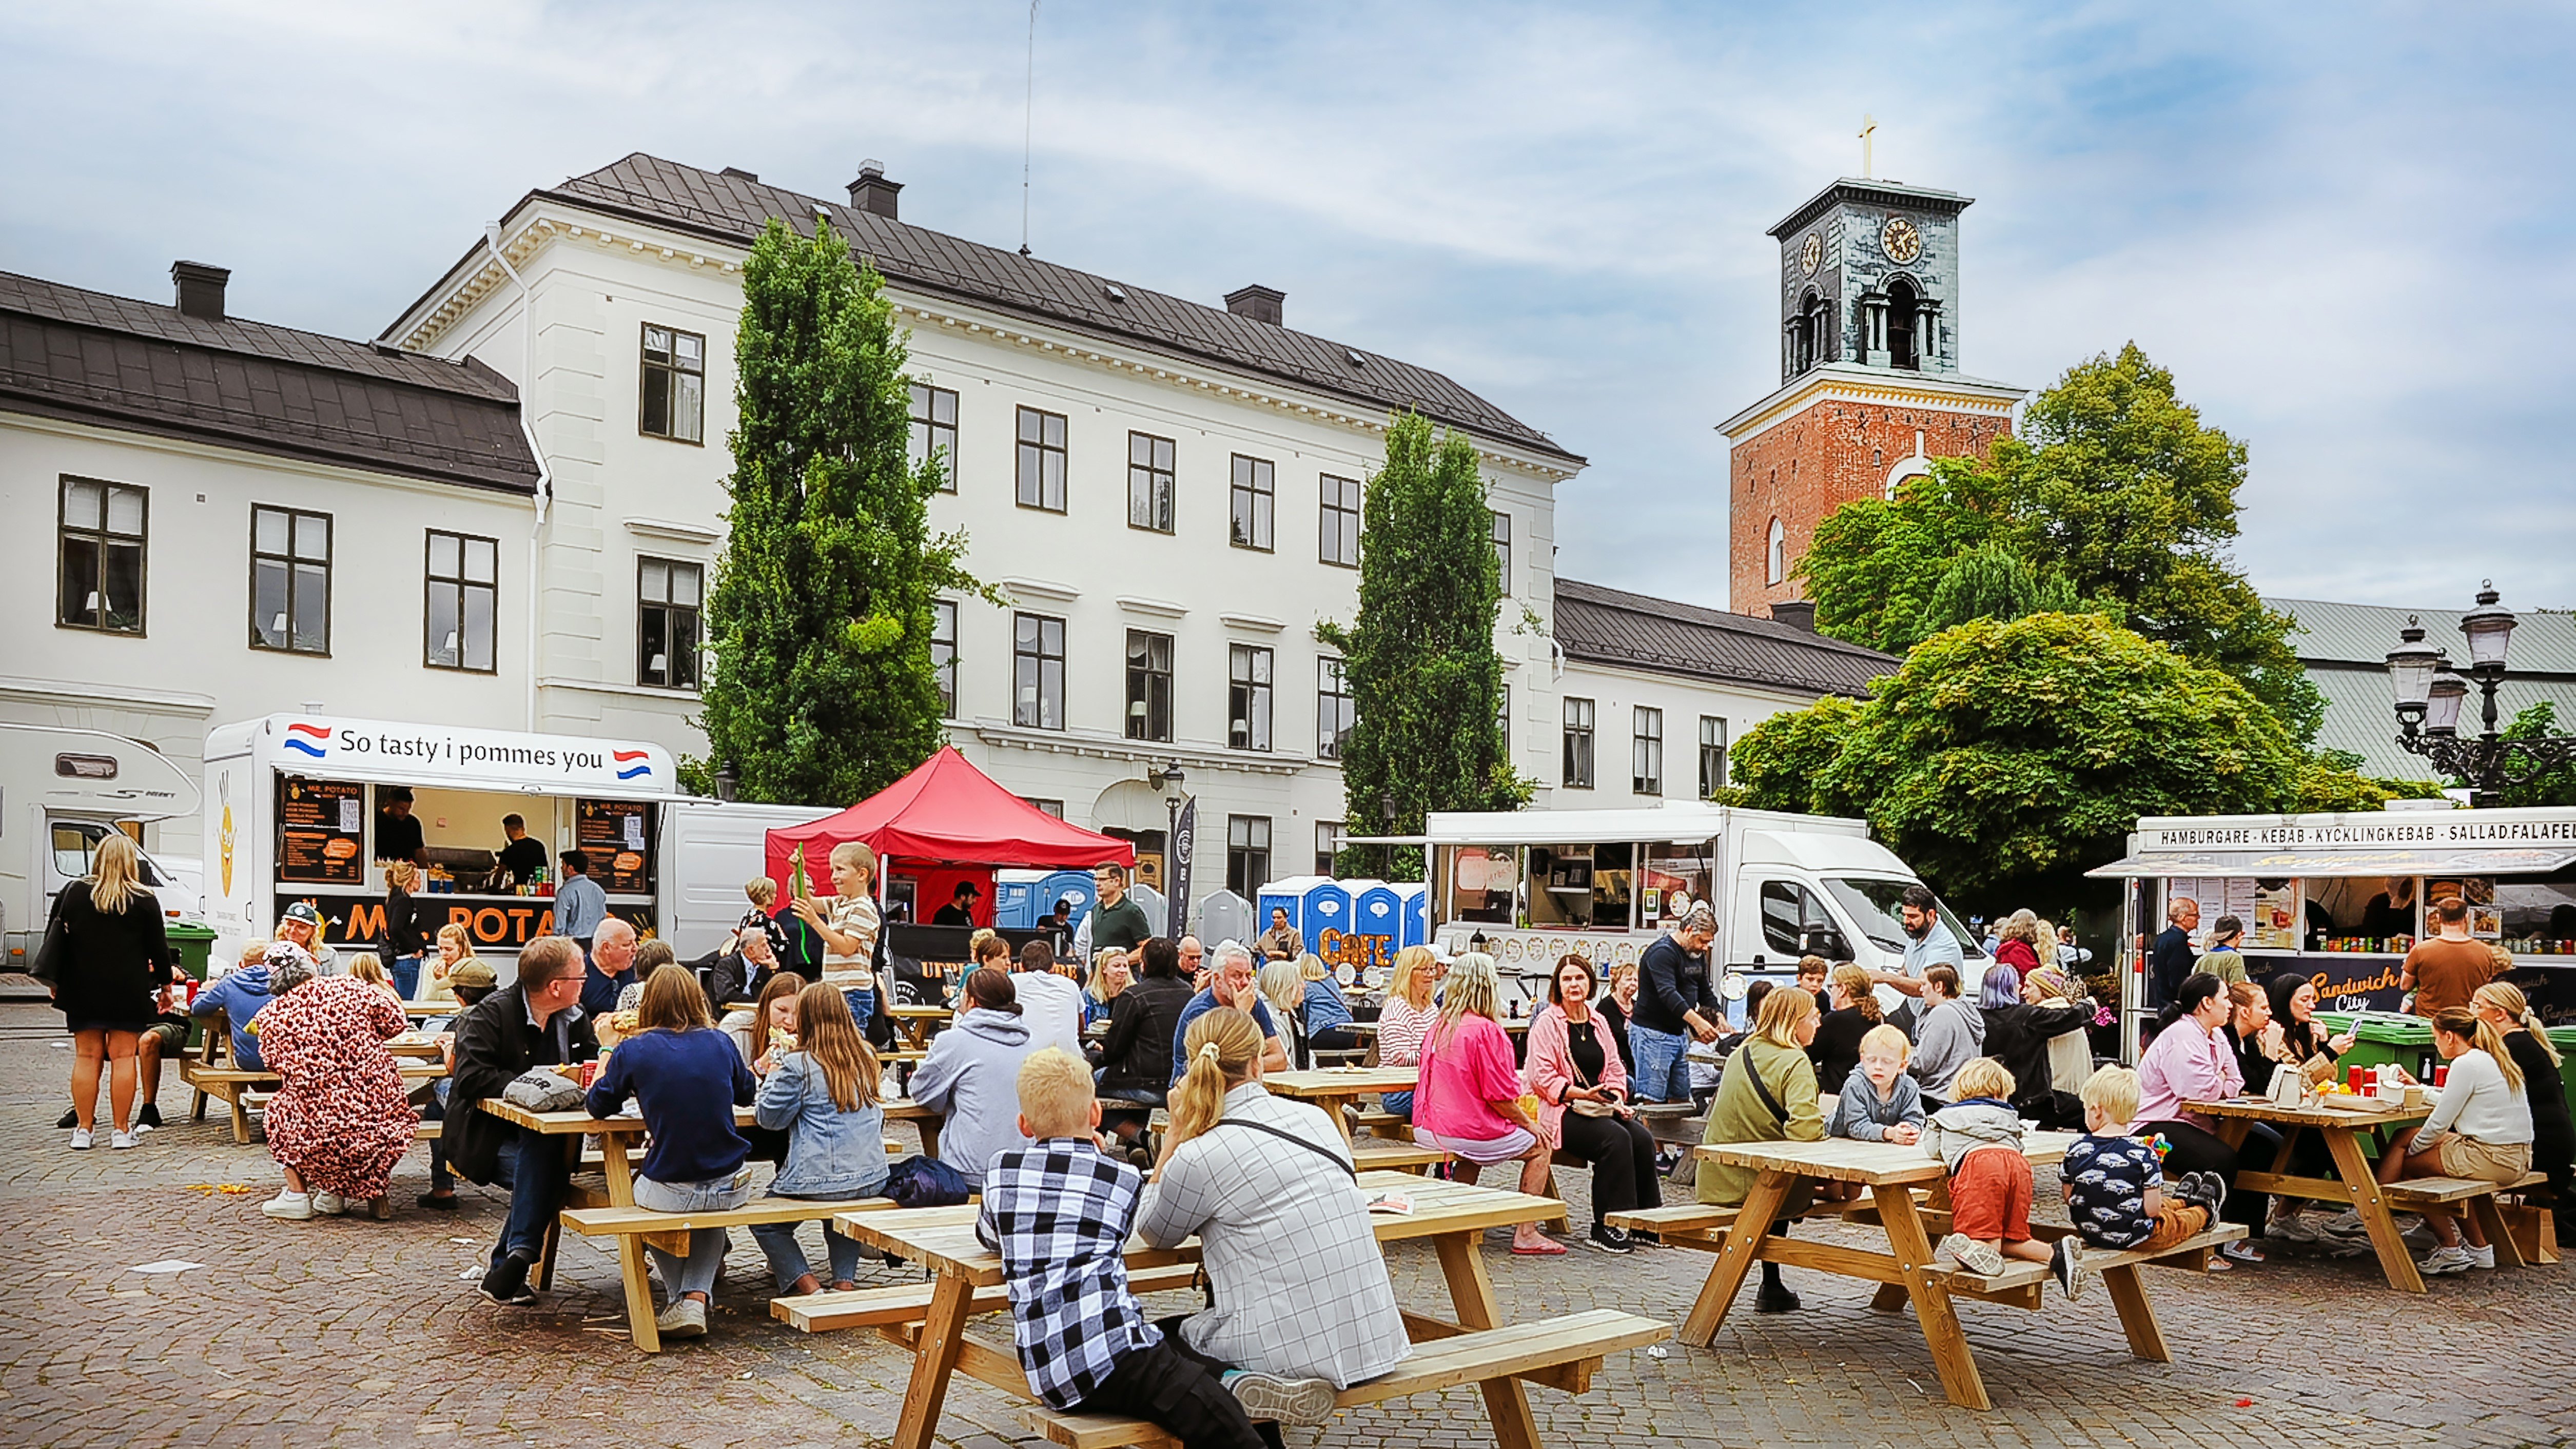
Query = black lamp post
x=2429 y=694
x=1175 y=887
x=728 y=780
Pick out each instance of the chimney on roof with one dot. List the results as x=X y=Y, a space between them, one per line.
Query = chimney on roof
x=1796 y=613
x=1257 y=302
x=201 y=289
x=872 y=193
x=738 y=171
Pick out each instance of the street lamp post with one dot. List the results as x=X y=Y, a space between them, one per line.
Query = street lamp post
x=1175 y=874
x=2430 y=692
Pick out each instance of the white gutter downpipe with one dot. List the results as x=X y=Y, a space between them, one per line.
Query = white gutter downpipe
x=545 y=475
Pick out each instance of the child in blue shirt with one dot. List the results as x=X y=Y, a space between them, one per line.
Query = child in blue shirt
x=2114 y=1181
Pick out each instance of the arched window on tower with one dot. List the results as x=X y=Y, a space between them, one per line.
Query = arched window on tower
x=1778 y=565
x=1802 y=336
x=1902 y=312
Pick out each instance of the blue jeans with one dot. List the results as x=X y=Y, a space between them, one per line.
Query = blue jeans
x=787 y=1257
x=534 y=1167
x=1662 y=1073
x=1399 y=1104
x=406 y=973
x=697 y=1272
x=863 y=1004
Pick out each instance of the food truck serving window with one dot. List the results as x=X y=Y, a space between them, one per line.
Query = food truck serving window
x=1482 y=881
x=1590 y=886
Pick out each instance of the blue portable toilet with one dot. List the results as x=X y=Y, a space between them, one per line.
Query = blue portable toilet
x=1288 y=893
x=1377 y=927
x=1057 y=885
x=1016 y=906
x=1414 y=910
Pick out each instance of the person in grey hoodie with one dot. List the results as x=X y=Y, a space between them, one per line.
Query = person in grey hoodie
x=1952 y=1033
x=1990 y=1189
x=972 y=1076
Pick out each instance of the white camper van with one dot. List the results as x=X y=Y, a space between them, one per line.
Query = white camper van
x=61 y=791
x=1537 y=884
x=295 y=812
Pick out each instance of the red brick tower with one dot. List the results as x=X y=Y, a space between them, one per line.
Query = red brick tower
x=1870 y=388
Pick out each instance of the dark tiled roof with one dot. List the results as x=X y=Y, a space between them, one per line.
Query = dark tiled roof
x=734 y=208
x=1613 y=626
x=91 y=357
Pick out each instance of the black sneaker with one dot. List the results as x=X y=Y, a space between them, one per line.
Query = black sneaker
x=1775 y=1300
x=149 y=1116
x=507 y=1282
x=437 y=1202
x=2066 y=1265
x=1611 y=1240
x=71 y=1119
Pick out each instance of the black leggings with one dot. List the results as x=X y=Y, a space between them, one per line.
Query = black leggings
x=2196 y=1149
x=1622 y=1154
x=1183 y=1390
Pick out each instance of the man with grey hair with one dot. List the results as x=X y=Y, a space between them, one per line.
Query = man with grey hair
x=1236 y=984
x=536 y=1021
x=2172 y=958
x=612 y=966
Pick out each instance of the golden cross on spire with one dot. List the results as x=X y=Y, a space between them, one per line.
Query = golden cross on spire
x=1868 y=126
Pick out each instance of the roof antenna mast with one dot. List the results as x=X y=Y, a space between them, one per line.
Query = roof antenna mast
x=1028 y=125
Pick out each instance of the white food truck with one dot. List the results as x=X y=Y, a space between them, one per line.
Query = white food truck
x=2340 y=898
x=1530 y=886
x=61 y=791
x=293 y=813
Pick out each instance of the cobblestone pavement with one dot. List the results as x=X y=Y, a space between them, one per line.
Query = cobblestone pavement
x=348 y=1332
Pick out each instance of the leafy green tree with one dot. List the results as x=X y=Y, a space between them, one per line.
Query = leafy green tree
x=2331 y=780
x=822 y=690
x=2008 y=757
x=2551 y=787
x=1991 y=581
x=2114 y=483
x=1426 y=684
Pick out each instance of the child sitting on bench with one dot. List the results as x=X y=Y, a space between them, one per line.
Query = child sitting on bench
x=1059 y=1211
x=1978 y=1138
x=2115 y=1181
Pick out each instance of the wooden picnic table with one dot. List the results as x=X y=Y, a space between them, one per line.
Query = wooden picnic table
x=1454 y=1216
x=1906 y=1272
x=915 y=1022
x=1331 y=1087
x=2354 y=1184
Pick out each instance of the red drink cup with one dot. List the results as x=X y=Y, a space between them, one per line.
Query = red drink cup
x=2442 y=1075
x=589 y=1075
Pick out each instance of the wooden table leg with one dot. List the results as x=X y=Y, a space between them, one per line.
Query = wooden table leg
x=1333 y=1108
x=1889 y=1298
x=550 y=1246
x=639 y=1293
x=1932 y=1309
x=2137 y=1315
x=1734 y=1260
x=2508 y=1253
x=1471 y=1297
x=2372 y=1205
x=943 y=1336
x=929 y=1129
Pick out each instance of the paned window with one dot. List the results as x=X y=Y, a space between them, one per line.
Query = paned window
x=675 y=385
x=1329 y=835
x=666 y=622
x=290 y=580
x=1149 y=482
x=1712 y=755
x=100 y=575
x=1251 y=498
x=1037 y=671
x=1247 y=854
x=1333 y=709
x=1247 y=697
x=1149 y=686
x=1503 y=548
x=1041 y=460
x=943 y=653
x=463 y=575
x=1340 y=527
x=1578 y=744
x=934 y=430
x=1646 y=758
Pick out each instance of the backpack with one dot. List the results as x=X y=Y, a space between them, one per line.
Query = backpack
x=919 y=1182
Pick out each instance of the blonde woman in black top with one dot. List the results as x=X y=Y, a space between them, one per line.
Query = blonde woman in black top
x=106 y=959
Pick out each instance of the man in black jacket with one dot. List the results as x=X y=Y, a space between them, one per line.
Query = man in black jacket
x=538 y=1021
x=2172 y=958
x=1676 y=1005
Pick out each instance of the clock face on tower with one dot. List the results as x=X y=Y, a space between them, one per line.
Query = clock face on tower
x=1812 y=254
x=1900 y=240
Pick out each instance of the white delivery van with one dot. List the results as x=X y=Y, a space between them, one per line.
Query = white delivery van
x=61 y=791
x=295 y=811
x=1537 y=884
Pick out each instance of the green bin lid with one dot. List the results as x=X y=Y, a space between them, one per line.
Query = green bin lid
x=2561 y=1036
x=188 y=931
x=2395 y=1030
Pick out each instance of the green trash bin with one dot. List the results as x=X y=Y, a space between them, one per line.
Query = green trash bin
x=2564 y=1038
x=195 y=944
x=2385 y=1039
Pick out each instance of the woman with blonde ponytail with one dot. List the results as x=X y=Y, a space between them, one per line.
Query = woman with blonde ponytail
x=1300 y=1289
x=2501 y=1005
x=2481 y=1129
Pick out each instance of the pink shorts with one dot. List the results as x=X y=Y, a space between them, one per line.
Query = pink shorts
x=1513 y=1144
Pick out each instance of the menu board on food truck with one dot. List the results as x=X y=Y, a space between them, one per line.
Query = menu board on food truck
x=617 y=835
x=2274 y=925
x=321 y=831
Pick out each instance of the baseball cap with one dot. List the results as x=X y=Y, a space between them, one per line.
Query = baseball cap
x=303 y=911
x=473 y=976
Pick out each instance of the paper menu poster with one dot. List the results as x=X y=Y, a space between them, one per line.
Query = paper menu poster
x=2276 y=920
x=349 y=817
x=634 y=832
x=2239 y=893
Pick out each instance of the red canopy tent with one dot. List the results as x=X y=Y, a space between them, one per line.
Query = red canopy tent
x=947 y=812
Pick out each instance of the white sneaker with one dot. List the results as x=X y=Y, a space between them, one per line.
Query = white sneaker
x=81 y=1138
x=294 y=1207
x=330 y=1204
x=1281 y=1399
x=686 y=1318
x=2446 y=1260
x=2482 y=1257
x=1983 y=1259
x=121 y=1141
x=2345 y=1224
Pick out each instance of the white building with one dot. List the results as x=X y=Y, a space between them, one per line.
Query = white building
x=1168 y=492
x=219 y=519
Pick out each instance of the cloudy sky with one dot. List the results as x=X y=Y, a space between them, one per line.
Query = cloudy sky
x=2344 y=227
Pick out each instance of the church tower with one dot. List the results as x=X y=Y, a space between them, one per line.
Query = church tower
x=1870 y=388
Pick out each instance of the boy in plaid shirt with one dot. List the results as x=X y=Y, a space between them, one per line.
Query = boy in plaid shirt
x=1060 y=1212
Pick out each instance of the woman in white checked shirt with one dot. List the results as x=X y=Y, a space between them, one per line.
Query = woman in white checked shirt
x=1266 y=1183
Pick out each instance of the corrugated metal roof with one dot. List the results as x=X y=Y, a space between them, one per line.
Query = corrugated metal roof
x=2345 y=648
x=90 y=357
x=734 y=208
x=2361 y=718
x=2364 y=633
x=1635 y=631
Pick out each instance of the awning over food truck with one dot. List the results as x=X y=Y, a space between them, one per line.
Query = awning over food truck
x=2317 y=863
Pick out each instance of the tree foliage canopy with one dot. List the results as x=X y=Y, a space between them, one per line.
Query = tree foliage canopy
x=822 y=690
x=2114 y=487
x=1426 y=685
x=2551 y=787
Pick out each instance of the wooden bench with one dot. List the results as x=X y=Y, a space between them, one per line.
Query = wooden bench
x=228 y=1085
x=1383 y=1124
x=910 y=1302
x=1561 y=1352
x=2019 y=1284
x=2447 y=1195
x=633 y=1227
x=1377 y=1154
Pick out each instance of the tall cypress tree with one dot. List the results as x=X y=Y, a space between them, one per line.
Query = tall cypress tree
x=822 y=691
x=1426 y=685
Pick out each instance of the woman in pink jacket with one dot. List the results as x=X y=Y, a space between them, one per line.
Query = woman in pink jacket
x=1467 y=1101
x=1582 y=1090
x=2191 y=1061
